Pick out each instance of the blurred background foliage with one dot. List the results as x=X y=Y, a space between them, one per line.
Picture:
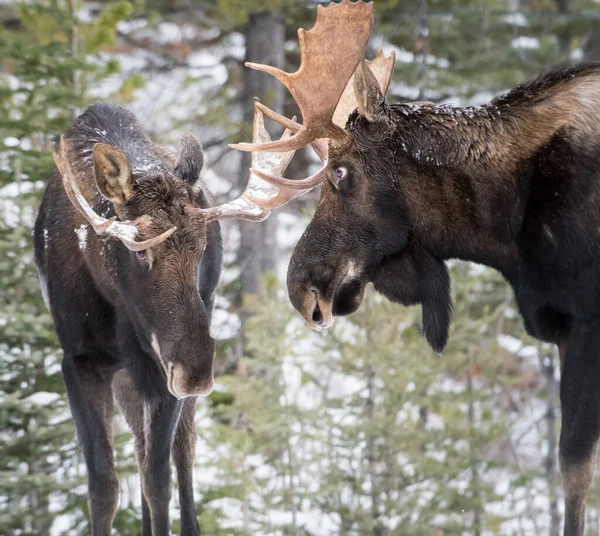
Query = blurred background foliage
x=361 y=431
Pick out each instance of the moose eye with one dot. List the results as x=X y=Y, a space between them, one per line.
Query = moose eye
x=141 y=255
x=341 y=173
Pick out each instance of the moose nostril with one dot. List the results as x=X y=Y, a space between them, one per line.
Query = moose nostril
x=317 y=316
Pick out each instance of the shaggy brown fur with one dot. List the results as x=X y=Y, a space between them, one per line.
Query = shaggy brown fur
x=515 y=185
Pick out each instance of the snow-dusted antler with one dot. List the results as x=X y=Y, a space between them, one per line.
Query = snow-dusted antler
x=260 y=196
x=125 y=231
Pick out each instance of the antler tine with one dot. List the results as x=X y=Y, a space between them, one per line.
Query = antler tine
x=124 y=231
x=284 y=196
x=132 y=244
x=61 y=159
x=251 y=205
x=292 y=184
x=343 y=28
x=320 y=146
x=383 y=68
x=266 y=189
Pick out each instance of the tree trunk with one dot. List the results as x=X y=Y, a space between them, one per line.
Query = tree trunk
x=591 y=48
x=422 y=48
x=372 y=457
x=39 y=501
x=265 y=39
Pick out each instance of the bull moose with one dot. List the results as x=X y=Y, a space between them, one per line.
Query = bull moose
x=128 y=252
x=513 y=184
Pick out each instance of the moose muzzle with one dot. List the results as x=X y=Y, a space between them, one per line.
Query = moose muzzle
x=320 y=294
x=188 y=374
x=181 y=384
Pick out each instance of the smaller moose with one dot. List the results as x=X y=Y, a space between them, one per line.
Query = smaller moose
x=129 y=254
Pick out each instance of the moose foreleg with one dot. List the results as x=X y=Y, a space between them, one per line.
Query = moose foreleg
x=161 y=419
x=184 y=449
x=91 y=401
x=580 y=401
x=132 y=407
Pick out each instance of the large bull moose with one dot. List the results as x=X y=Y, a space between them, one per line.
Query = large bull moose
x=513 y=184
x=128 y=252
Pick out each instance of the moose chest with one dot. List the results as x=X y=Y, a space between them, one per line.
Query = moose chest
x=551 y=295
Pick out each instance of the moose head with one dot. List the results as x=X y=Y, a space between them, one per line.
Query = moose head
x=361 y=228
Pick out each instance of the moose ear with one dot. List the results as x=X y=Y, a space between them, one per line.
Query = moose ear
x=190 y=160
x=113 y=173
x=367 y=91
x=436 y=302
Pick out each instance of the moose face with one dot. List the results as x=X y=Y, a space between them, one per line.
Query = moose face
x=361 y=220
x=161 y=284
x=159 y=273
x=360 y=233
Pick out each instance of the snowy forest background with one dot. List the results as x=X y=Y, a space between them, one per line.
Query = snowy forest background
x=359 y=431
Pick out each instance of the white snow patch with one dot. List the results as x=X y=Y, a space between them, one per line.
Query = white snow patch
x=476 y=270
x=128 y=26
x=81 y=233
x=42 y=398
x=224 y=325
x=529 y=352
x=400 y=88
x=577 y=54
x=516 y=19
x=525 y=43
x=509 y=343
x=11 y=141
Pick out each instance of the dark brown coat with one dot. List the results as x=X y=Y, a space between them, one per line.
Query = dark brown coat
x=515 y=185
x=134 y=325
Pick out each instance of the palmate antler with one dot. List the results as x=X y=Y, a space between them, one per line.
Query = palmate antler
x=382 y=68
x=125 y=231
x=330 y=53
x=323 y=87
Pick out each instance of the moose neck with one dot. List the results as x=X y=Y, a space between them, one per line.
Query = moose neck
x=467 y=179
